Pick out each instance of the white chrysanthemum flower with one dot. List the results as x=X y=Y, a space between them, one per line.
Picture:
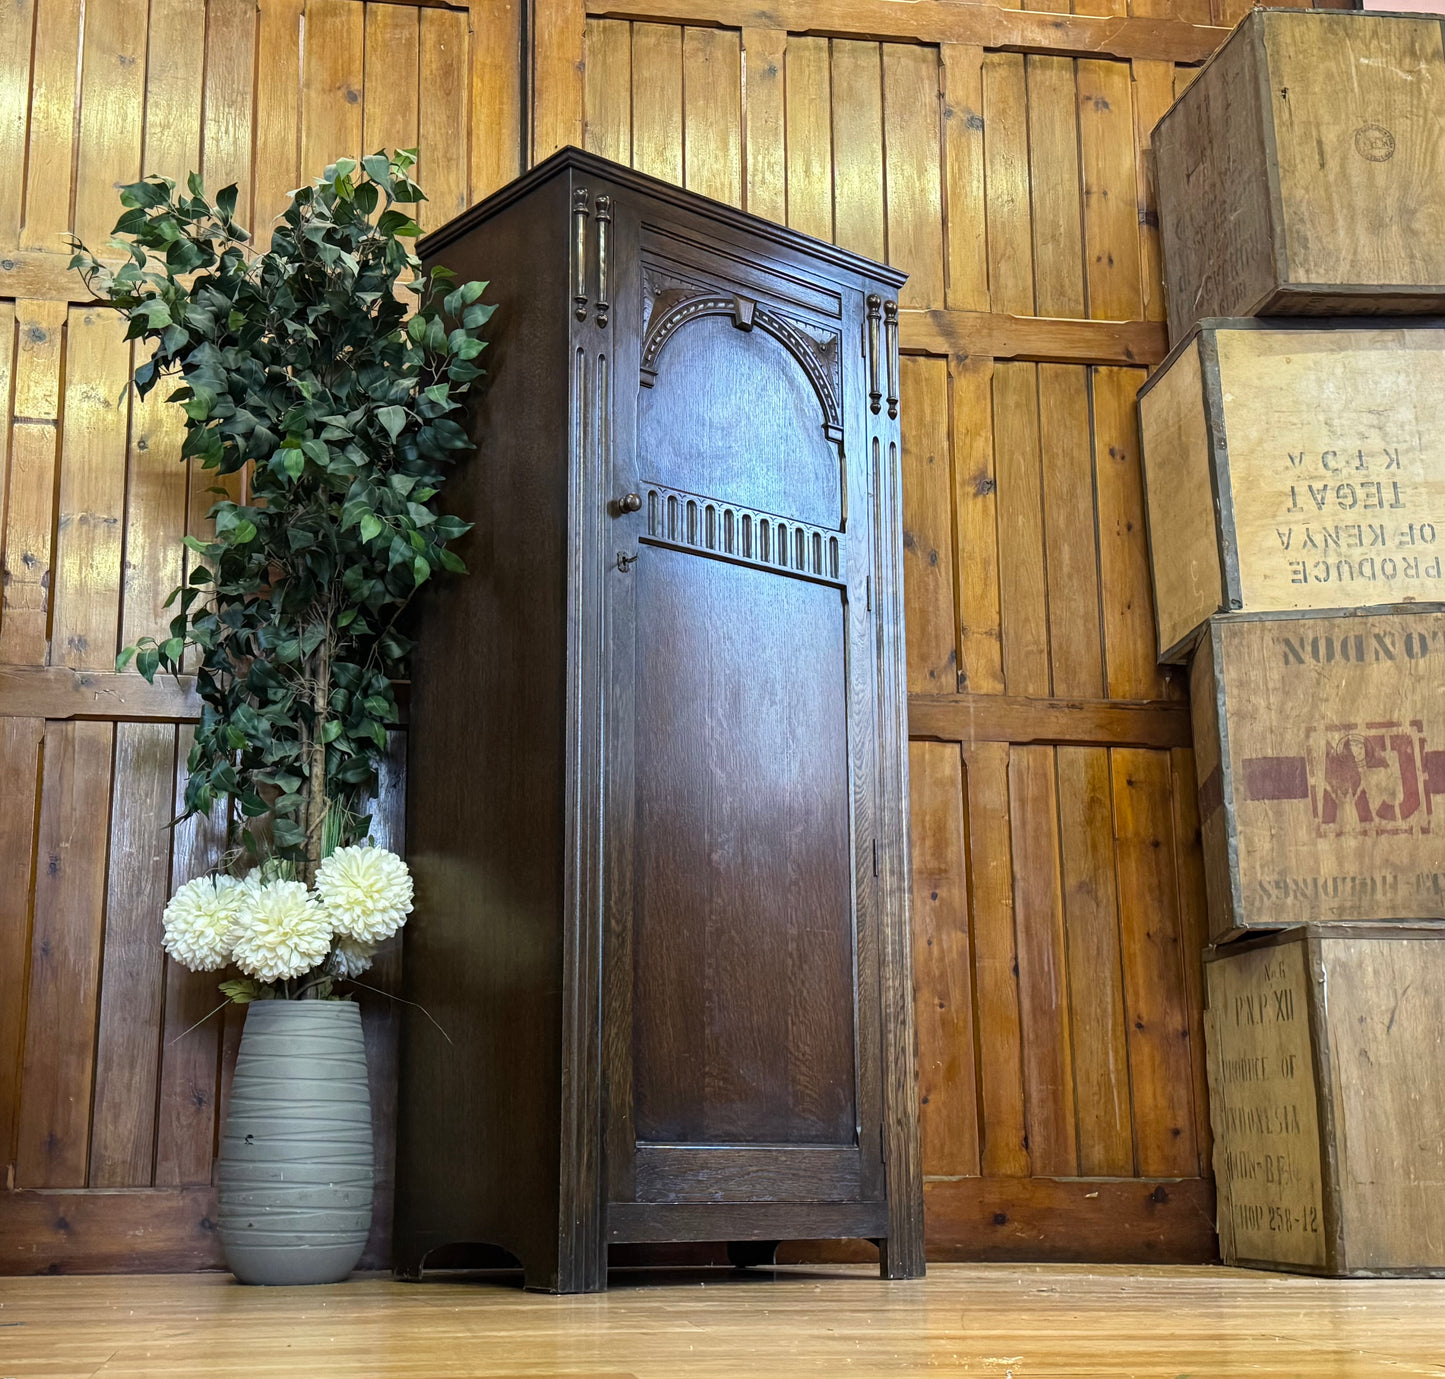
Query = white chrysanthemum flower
x=366 y=892
x=350 y=958
x=281 y=932
x=200 y=922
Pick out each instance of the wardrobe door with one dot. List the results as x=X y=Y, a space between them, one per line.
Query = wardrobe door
x=741 y=994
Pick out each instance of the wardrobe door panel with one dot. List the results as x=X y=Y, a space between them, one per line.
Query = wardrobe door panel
x=741 y=1024
x=742 y=938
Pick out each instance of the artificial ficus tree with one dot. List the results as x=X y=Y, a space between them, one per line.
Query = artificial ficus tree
x=301 y=371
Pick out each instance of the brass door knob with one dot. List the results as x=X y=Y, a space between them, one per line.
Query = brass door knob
x=630 y=502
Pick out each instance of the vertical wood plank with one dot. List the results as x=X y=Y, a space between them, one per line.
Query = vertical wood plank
x=963 y=157
x=331 y=73
x=1096 y=994
x=712 y=121
x=112 y=97
x=942 y=962
x=190 y=1031
x=55 y=1091
x=1042 y=963
x=20 y=761
x=1006 y=165
x=52 y=125
x=913 y=172
x=1072 y=557
x=278 y=112
x=1157 y=1022
x=157 y=485
x=1023 y=587
x=764 y=123
x=927 y=527
x=975 y=504
x=498 y=66
x=175 y=62
x=990 y=897
x=657 y=100
x=393 y=78
x=858 y=209
x=608 y=102
x=30 y=494
x=17 y=28
x=1054 y=187
x=1153 y=95
x=1193 y=932
x=90 y=526
x=230 y=81
x=1128 y=602
x=1111 y=196
x=132 y=985
x=809 y=108
x=558 y=35
x=443 y=117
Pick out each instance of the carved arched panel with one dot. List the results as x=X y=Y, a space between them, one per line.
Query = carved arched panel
x=743 y=408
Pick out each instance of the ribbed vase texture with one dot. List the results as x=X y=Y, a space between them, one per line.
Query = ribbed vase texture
x=295 y=1172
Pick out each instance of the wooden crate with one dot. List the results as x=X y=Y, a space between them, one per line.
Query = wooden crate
x=1320 y=749
x=1301 y=172
x=1297 y=466
x=1324 y=1051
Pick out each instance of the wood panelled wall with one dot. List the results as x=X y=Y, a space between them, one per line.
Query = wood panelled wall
x=112 y=1081
x=997 y=154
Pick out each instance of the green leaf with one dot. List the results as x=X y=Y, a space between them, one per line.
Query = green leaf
x=393 y=418
x=331 y=730
x=420 y=569
x=370 y=527
x=226 y=201
x=241 y=990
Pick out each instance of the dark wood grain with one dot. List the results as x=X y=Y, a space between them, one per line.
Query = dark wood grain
x=656 y=791
x=478 y=1126
x=743 y=947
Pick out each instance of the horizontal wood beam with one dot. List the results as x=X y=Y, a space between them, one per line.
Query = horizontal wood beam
x=941 y=21
x=997 y=335
x=1071 y=1220
x=59 y=692
x=94 y=1231
x=1005 y=718
x=37 y=275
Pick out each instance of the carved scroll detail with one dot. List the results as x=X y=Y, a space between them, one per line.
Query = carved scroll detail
x=747 y=536
x=818 y=357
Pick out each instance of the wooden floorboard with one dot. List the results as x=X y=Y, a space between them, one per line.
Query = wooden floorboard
x=1025 y=1322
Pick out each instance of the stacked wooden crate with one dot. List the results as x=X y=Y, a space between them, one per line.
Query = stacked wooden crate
x=1294 y=454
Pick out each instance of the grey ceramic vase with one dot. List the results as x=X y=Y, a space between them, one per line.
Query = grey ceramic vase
x=295 y=1171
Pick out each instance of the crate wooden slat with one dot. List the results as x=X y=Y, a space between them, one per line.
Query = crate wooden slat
x=1324 y=1052
x=1320 y=749
x=1300 y=173
x=1294 y=466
